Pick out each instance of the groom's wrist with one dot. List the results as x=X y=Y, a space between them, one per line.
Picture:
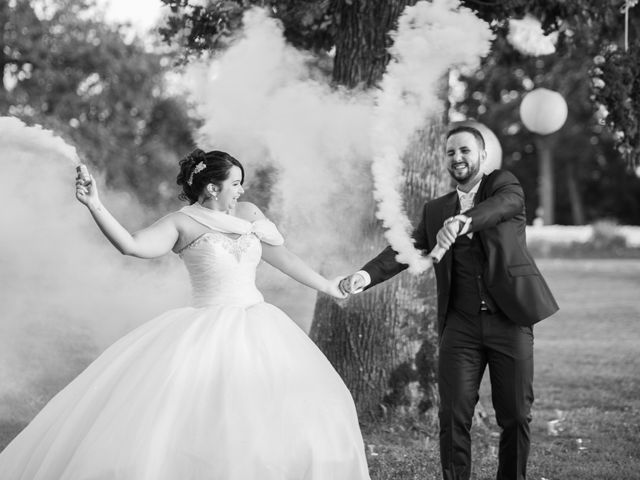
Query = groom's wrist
x=455 y=220
x=463 y=223
x=366 y=280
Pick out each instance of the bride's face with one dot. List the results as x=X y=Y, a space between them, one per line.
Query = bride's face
x=230 y=190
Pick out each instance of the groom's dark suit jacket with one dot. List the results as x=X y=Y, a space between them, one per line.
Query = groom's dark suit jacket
x=498 y=218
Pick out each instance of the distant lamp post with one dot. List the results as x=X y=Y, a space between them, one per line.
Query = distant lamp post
x=544 y=112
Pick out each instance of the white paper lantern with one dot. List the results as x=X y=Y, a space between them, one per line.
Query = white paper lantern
x=543 y=111
x=491 y=145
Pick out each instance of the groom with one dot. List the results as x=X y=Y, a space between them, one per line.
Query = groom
x=490 y=293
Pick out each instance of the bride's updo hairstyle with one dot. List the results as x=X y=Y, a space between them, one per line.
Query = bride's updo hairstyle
x=198 y=169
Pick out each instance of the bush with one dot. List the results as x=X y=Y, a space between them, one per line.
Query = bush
x=606 y=236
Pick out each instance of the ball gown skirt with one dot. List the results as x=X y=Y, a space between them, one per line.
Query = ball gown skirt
x=228 y=389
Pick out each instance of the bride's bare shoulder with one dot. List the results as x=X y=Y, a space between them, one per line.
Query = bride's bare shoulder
x=248 y=211
x=180 y=221
x=178 y=218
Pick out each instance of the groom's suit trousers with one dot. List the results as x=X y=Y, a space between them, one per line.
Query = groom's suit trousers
x=470 y=343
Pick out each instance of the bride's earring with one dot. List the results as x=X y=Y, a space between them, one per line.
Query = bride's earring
x=212 y=192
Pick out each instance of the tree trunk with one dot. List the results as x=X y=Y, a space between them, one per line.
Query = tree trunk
x=362 y=39
x=383 y=341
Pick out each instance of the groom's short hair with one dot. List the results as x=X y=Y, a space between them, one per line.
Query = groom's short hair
x=466 y=128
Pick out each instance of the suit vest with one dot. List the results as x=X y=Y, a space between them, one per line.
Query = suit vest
x=468 y=290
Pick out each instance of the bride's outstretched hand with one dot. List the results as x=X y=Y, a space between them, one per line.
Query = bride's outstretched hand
x=86 y=190
x=334 y=289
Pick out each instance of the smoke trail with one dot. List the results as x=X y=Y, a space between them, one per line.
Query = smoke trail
x=17 y=137
x=431 y=37
x=65 y=292
x=265 y=103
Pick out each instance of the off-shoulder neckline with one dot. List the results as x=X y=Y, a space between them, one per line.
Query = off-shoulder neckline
x=219 y=212
x=228 y=215
x=212 y=232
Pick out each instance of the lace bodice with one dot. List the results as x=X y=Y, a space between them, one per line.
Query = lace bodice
x=222 y=262
x=222 y=269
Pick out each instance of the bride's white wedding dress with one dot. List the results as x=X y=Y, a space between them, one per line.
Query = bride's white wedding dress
x=227 y=389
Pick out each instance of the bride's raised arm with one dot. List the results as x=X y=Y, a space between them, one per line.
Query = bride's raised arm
x=153 y=241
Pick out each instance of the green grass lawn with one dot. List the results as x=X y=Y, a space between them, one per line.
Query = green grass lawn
x=587 y=361
x=587 y=377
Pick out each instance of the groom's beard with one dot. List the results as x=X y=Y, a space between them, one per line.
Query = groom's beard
x=463 y=175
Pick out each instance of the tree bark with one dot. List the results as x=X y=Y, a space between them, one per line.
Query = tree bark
x=362 y=39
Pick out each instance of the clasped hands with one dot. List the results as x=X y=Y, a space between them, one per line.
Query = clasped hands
x=351 y=284
x=341 y=287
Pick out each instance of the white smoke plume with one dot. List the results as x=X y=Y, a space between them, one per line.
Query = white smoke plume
x=65 y=292
x=431 y=38
x=17 y=137
x=264 y=104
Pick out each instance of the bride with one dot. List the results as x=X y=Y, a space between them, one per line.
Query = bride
x=228 y=388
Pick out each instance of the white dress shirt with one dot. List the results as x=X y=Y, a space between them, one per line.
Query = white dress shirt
x=466 y=203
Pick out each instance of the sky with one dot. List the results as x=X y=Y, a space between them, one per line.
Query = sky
x=143 y=14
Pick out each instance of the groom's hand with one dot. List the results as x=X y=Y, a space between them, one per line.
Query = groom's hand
x=448 y=233
x=352 y=284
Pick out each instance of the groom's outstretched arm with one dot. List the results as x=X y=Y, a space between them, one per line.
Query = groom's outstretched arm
x=385 y=265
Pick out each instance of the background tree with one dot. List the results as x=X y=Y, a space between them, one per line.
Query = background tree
x=66 y=69
x=595 y=148
x=356 y=28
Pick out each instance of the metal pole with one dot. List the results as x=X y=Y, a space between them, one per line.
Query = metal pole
x=626 y=25
x=545 y=180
